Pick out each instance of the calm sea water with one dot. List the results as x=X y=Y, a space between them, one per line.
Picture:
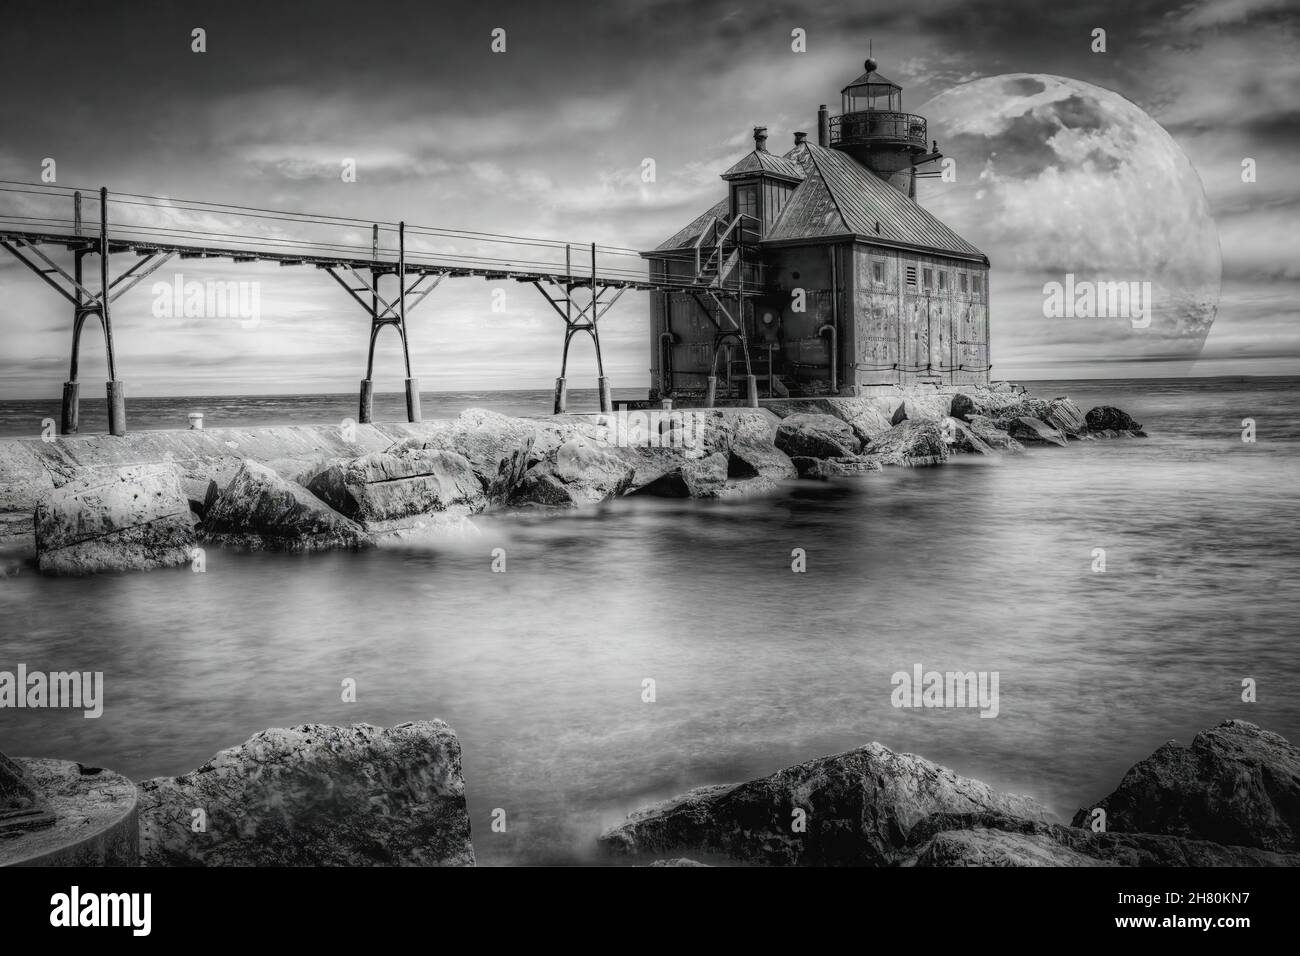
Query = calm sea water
x=980 y=565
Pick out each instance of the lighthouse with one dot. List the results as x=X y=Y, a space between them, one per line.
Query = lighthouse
x=818 y=273
x=874 y=130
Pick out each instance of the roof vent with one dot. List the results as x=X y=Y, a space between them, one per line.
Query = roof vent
x=760 y=138
x=800 y=138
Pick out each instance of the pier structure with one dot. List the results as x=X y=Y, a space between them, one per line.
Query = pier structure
x=387 y=276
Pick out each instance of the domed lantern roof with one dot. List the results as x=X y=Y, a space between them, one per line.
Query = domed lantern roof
x=871 y=91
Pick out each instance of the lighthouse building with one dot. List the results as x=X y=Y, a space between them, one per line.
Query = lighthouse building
x=818 y=272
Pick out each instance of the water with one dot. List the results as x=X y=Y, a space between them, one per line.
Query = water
x=979 y=565
x=26 y=418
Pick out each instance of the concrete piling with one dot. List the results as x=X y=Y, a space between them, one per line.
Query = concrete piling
x=71 y=408
x=606 y=397
x=413 y=400
x=116 y=408
x=367 y=409
x=561 y=395
x=711 y=396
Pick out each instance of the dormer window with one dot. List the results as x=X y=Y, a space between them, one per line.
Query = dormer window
x=747 y=200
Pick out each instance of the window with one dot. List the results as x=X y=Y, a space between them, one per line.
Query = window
x=943 y=281
x=928 y=278
x=911 y=277
x=747 y=201
x=977 y=284
x=878 y=272
x=961 y=282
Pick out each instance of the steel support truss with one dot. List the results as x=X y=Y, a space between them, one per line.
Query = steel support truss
x=85 y=303
x=580 y=317
x=384 y=312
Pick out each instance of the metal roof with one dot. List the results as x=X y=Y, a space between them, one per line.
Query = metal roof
x=874 y=79
x=687 y=235
x=839 y=198
x=842 y=197
x=761 y=161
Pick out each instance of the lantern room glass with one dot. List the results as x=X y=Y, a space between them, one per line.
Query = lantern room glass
x=872 y=95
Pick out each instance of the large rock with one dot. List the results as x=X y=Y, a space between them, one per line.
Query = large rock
x=988 y=403
x=1034 y=431
x=911 y=443
x=1236 y=784
x=963 y=438
x=867 y=418
x=926 y=405
x=261 y=510
x=129 y=518
x=575 y=474
x=383 y=491
x=989 y=433
x=705 y=477
x=316 y=795
x=1066 y=417
x=826 y=468
x=996 y=839
x=496 y=446
x=750 y=444
x=858 y=808
x=202 y=480
x=1107 y=419
x=816 y=436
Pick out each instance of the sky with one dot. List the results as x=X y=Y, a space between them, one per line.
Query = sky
x=548 y=139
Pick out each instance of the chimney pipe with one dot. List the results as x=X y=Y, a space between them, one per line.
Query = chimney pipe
x=823 y=126
x=800 y=138
x=760 y=138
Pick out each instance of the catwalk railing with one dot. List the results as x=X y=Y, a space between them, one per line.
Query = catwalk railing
x=35 y=217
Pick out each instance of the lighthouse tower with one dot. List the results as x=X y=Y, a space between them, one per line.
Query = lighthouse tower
x=874 y=130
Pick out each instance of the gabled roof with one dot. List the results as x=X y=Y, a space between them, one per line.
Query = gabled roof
x=761 y=161
x=841 y=197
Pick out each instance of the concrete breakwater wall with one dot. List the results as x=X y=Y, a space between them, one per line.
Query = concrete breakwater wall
x=90 y=503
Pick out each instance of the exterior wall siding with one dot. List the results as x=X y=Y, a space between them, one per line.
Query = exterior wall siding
x=917 y=331
x=889 y=331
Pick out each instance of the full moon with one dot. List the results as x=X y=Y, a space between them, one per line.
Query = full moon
x=1057 y=178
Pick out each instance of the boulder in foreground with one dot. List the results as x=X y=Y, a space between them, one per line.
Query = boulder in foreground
x=496 y=446
x=858 y=808
x=1236 y=784
x=261 y=510
x=1109 y=420
x=989 y=433
x=575 y=474
x=911 y=442
x=1034 y=431
x=816 y=436
x=1066 y=417
x=384 y=491
x=131 y=518
x=991 y=839
x=316 y=795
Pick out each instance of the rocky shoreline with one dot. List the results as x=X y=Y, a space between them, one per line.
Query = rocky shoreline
x=89 y=504
x=319 y=795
